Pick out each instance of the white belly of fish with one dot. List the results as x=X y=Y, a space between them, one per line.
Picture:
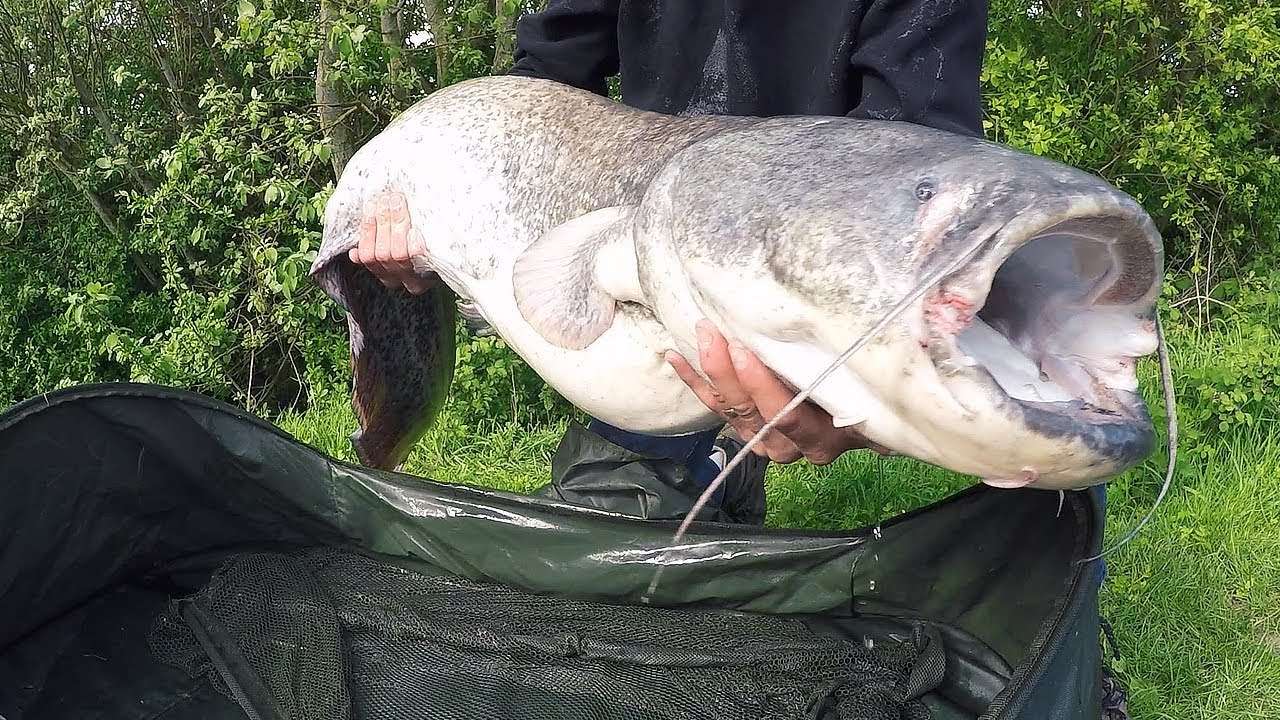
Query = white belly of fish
x=621 y=378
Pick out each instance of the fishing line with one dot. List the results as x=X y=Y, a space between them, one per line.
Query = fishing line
x=1171 y=418
x=803 y=395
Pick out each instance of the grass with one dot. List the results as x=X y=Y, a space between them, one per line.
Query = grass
x=1194 y=599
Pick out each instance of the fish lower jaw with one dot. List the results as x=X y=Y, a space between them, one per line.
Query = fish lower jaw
x=1018 y=426
x=1015 y=445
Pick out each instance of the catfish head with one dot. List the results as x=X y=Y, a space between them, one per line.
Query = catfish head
x=1036 y=284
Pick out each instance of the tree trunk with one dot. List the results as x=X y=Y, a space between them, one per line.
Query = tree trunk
x=393 y=39
x=504 y=40
x=329 y=98
x=438 y=24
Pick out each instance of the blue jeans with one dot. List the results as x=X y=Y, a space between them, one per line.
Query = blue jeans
x=1101 y=492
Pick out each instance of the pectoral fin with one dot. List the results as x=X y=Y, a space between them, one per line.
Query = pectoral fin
x=568 y=282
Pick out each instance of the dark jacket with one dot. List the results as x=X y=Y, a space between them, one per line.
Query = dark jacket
x=911 y=60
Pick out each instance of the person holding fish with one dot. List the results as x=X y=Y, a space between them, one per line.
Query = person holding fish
x=912 y=61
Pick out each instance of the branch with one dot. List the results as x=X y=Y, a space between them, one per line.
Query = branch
x=186 y=111
x=90 y=101
x=106 y=214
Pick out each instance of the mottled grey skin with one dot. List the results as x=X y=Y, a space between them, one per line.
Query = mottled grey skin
x=764 y=186
x=768 y=184
x=794 y=230
x=573 y=152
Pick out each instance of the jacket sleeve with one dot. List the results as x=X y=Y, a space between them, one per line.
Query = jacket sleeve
x=570 y=41
x=920 y=61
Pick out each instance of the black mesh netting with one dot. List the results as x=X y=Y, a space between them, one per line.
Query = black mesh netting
x=327 y=634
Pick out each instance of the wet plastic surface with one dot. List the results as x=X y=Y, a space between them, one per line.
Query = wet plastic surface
x=114 y=497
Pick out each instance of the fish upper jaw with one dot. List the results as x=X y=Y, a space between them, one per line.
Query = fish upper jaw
x=1038 y=339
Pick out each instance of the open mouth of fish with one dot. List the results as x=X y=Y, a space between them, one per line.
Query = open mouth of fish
x=1058 y=327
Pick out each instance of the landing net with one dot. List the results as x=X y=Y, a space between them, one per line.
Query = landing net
x=327 y=634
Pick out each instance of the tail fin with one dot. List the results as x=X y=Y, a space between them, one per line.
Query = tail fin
x=402 y=359
x=402 y=345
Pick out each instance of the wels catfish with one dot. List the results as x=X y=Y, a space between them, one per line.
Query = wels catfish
x=592 y=237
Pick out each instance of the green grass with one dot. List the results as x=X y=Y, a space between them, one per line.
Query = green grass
x=1194 y=599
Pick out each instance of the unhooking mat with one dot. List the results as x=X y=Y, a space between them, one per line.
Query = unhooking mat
x=163 y=555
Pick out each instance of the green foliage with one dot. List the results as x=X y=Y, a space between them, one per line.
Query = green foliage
x=52 y=301
x=1172 y=102
x=165 y=170
x=1235 y=389
x=174 y=246
x=492 y=386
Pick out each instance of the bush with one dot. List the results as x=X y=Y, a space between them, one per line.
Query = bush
x=161 y=232
x=1172 y=102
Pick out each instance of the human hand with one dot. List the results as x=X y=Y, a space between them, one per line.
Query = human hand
x=748 y=394
x=389 y=242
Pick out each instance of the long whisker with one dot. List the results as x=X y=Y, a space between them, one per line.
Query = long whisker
x=898 y=308
x=1171 y=416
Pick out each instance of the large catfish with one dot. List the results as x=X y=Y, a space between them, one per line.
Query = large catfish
x=592 y=237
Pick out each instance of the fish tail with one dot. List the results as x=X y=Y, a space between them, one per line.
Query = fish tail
x=402 y=361
x=402 y=344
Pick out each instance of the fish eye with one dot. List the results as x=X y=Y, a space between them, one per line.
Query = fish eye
x=925 y=190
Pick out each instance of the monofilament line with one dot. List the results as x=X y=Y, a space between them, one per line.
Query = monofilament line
x=920 y=289
x=1171 y=418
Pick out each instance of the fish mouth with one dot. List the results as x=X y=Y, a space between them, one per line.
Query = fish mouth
x=1051 y=318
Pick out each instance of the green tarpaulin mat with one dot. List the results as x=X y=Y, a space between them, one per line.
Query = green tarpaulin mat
x=167 y=556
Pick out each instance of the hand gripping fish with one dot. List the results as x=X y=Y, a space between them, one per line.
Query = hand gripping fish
x=999 y=301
